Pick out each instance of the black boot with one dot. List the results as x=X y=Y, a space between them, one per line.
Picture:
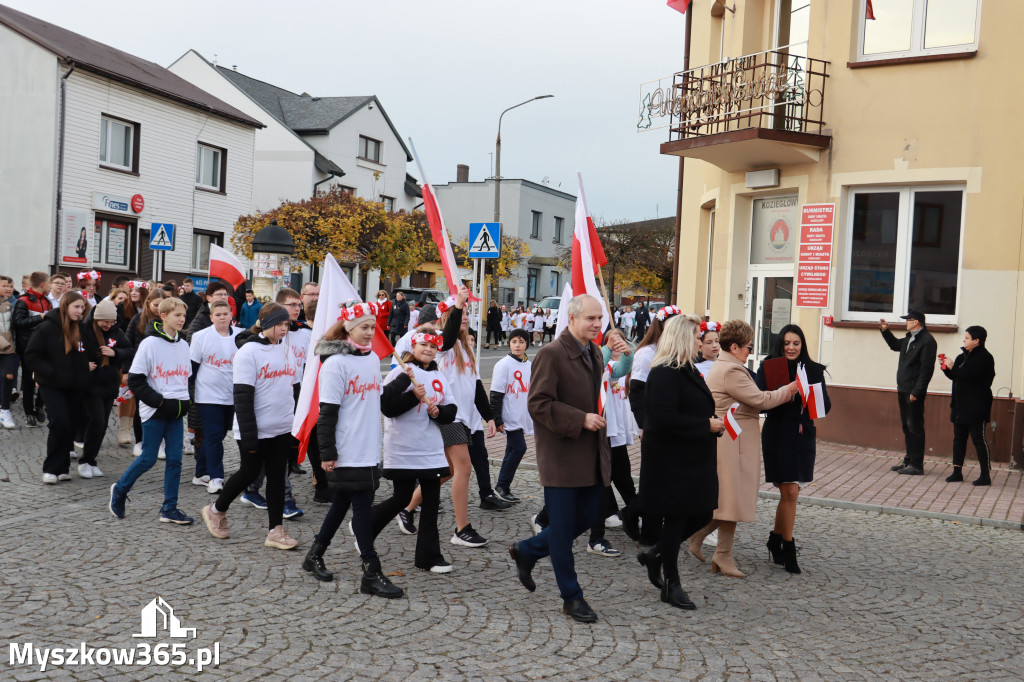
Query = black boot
x=984 y=479
x=650 y=558
x=789 y=556
x=956 y=476
x=983 y=462
x=375 y=582
x=672 y=593
x=314 y=563
x=774 y=545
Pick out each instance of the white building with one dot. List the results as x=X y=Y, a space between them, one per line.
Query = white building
x=541 y=216
x=100 y=145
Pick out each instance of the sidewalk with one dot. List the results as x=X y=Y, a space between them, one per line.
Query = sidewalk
x=853 y=477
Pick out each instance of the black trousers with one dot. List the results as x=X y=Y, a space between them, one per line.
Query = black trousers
x=30 y=401
x=271 y=454
x=362 y=523
x=912 y=419
x=673 y=532
x=97 y=408
x=977 y=433
x=622 y=479
x=313 y=454
x=493 y=336
x=64 y=415
x=481 y=466
x=428 y=546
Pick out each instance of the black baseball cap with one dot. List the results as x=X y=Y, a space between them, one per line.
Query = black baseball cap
x=914 y=315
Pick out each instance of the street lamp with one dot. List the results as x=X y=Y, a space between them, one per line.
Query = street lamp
x=272 y=248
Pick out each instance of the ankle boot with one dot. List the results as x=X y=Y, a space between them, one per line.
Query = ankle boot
x=650 y=558
x=774 y=545
x=314 y=563
x=956 y=476
x=789 y=556
x=124 y=431
x=697 y=540
x=672 y=593
x=375 y=582
x=723 y=561
x=984 y=479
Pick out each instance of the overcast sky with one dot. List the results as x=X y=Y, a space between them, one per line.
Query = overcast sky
x=444 y=71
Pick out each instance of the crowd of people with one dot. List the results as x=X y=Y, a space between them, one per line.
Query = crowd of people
x=183 y=370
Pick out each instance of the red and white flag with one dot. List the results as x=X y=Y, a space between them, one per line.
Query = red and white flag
x=732 y=426
x=816 y=402
x=801 y=380
x=602 y=397
x=335 y=289
x=587 y=257
x=683 y=5
x=226 y=266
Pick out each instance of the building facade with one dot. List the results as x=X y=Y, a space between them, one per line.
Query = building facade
x=845 y=162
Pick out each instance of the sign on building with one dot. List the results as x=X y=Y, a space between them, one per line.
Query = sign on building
x=74 y=238
x=814 y=271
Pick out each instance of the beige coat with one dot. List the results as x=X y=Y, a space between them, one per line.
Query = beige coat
x=739 y=461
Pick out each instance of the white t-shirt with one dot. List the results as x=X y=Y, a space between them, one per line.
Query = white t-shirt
x=512 y=378
x=353 y=383
x=215 y=355
x=167 y=368
x=271 y=369
x=412 y=440
x=704 y=366
x=299 y=342
x=538 y=323
x=642 y=362
x=463 y=387
x=414 y=318
x=620 y=431
x=505 y=320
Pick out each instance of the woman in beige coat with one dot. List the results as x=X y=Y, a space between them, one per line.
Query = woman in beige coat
x=739 y=461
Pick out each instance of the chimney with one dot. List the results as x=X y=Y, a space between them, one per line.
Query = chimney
x=462 y=173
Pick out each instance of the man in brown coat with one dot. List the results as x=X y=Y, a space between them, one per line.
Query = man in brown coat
x=573 y=455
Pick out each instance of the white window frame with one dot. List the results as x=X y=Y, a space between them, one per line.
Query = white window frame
x=105 y=123
x=904 y=236
x=364 y=149
x=213 y=238
x=201 y=150
x=917 y=31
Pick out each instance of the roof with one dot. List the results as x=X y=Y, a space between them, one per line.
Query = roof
x=651 y=225
x=95 y=57
x=412 y=187
x=524 y=182
x=305 y=114
x=325 y=165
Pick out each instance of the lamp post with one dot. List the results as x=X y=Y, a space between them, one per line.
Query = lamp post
x=272 y=248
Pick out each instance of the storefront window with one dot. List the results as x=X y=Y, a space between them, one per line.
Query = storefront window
x=110 y=243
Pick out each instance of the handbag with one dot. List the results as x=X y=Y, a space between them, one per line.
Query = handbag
x=353 y=479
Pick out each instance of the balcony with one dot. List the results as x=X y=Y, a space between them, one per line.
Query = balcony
x=757 y=111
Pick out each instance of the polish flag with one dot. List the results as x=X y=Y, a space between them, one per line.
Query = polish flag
x=587 y=258
x=562 y=321
x=226 y=266
x=683 y=5
x=816 y=402
x=801 y=380
x=869 y=11
x=335 y=289
x=731 y=425
x=602 y=397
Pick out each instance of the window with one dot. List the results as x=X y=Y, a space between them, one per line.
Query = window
x=111 y=242
x=201 y=249
x=119 y=144
x=531 y=284
x=210 y=167
x=350 y=191
x=904 y=252
x=556 y=283
x=369 y=149
x=535 y=226
x=389 y=203
x=558 y=229
x=910 y=28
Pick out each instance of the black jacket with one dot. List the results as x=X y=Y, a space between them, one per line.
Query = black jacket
x=972 y=373
x=169 y=408
x=398 y=320
x=789 y=437
x=494 y=319
x=916 y=364
x=192 y=304
x=24 y=322
x=134 y=335
x=107 y=380
x=46 y=358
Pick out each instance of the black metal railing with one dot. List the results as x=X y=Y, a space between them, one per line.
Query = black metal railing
x=771 y=89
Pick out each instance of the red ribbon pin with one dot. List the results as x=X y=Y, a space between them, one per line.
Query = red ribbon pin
x=518 y=376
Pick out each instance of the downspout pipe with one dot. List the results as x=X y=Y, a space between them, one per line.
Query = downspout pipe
x=60 y=166
x=679 y=186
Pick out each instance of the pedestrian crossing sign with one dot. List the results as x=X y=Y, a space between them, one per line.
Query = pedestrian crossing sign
x=484 y=240
x=161 y=237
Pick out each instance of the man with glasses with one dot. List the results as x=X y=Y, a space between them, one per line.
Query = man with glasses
x=310 y=293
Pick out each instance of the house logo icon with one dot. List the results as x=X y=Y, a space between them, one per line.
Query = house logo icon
x=158 y=615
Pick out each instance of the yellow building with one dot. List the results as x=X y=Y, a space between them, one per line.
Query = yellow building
x=900 y=114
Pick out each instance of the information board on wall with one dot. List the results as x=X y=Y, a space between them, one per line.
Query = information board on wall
x=814 y=268
x=75 y=238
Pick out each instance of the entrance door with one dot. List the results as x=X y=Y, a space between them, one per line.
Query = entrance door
x=771 y=309
x=145 y=261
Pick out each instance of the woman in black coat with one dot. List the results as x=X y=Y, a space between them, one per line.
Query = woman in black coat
x=108 y=348
x=788 y=443
x=57 y=358
x=678 y=454
x=398 y=320
x=493 y=325
x=971 y=406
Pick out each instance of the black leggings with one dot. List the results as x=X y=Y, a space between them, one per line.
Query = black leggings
x=976 y=431
x=494 y=334
x=428 y=546
x=622 y=479
x=63 y=415
x=30 y=400
x=271 y=453
x=675 y=530
x=98 y=408
x=362 y=524
x=481 y=465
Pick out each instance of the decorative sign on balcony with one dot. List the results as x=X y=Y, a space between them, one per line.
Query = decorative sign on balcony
x=814 y=270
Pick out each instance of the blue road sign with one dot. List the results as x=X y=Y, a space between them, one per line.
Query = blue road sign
x=484 y=240
x=161 y=237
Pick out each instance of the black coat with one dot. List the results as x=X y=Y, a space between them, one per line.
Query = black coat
x=398 y=320
x=678 y=454
x=46 y=358
x=494 y=319
x=916 y=364
x=789 y=437
x=972 y=374
x=106 y=381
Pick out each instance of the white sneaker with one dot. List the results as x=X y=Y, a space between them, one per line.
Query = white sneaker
x=712 y=539
x=96 y=473
x=6 y=420
x=137 y=450
x=74 y=454
x=188 y=446
x=80 y=445
x=201 y=480
x=613 y=521
x=162 y=454
x=534 y=525
x=215 y=486
x=63 y=477
x=84 y=471
x=50 y=479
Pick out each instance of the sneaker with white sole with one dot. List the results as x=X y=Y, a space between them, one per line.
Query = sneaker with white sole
x=537 y=528
x=255 y=499
x=176 y=516
x=84 y=471
x=441 y=566
x=613 y=521
x=602 y=548
x=215 y=486
x=63 y=477
x=137 y=450
x=74 y=454
x=467 y=537
x=49 y=479
x=407 y=522
x=278 y=538
x=216 y=522
x=291 y=510
x=96 y=473
x=80 y=445
x=6 y=419
x=188 y=446
x=201 y=480
x=162 y=454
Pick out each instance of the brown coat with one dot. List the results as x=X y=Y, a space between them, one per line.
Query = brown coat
x=562 y=391
x=739 y=461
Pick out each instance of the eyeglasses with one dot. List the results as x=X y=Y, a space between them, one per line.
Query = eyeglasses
x=292 y=305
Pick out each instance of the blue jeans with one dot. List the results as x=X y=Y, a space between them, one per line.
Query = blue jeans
x=571 y=511
x=171 y=432
x=515 y=448
x=215 y=420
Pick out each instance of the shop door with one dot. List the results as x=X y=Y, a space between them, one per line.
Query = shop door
x=145 y=260
x=771 y=309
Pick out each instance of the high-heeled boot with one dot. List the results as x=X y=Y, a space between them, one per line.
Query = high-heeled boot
x=789 y=556
x=375 y=582
x=774 y=545
x=697 y=540
x=723 y=561
x=314 y=563
x=673 y=593
x=650 y=559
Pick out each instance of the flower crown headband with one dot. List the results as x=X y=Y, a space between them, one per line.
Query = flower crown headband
x=137 y=284
x=709 y=326
x=445 y=306
x=667 y=312
x=85 y=276
x=357 y=310
x=423 y=337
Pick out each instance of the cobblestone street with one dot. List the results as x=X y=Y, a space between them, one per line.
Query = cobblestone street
x=881 y=597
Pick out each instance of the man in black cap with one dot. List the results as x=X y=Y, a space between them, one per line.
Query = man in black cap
x=917 y=364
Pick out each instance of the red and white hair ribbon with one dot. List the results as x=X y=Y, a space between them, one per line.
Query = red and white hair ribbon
x=354 y=312
x=709 y=326
x=86 y=276
x=137 y=284
x=667 y=312
x=423 y=337
x=445 y=306
x=732 y=426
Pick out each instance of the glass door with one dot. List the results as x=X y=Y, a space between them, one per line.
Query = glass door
x=771 y=309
